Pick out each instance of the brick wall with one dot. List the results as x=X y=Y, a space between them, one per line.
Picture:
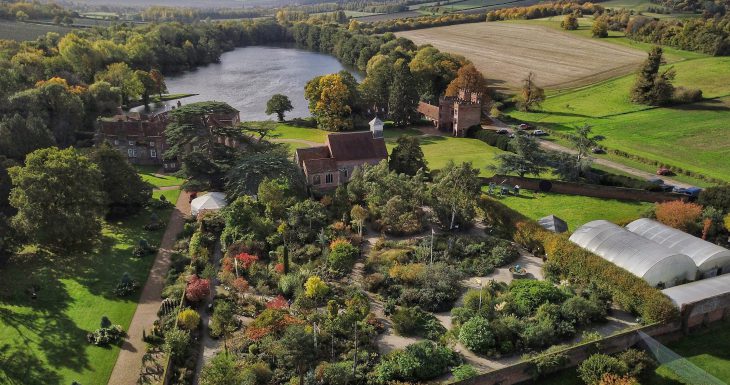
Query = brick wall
x=590 y=190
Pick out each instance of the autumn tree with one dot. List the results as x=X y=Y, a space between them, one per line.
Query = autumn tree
x=328 y=98
x=678 y=214
x=531 y=96
x=59 y=198
x=359 y=214
x=599 y=28
x=407 y=156
x=402 y=98
x=279 y=104
x=433 y=71
x=159 y=82
x=148 y=85
x=652 y=87
x=375 y=88
x=469 y=78
x=570 y=22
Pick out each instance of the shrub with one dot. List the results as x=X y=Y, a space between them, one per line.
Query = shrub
x=581 y=311
x=463 y=372
x=188 y=319
x=504 y=254
x=341 y=257
x=551 y=360
x=176 y=342
x=104 y=336
x=126 y=286
x=638 y=362
x=529 y=294
x=315 y=287
x=477 y=336
x=412 y=321
x=421 y=361
x=678 y=214
x=592 y=370
x=143 y=248
x=717 y=197
x=197 y=289
x=686 y=95
x=612 y=379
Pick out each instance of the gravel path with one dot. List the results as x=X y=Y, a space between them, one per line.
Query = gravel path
x=209 y=345
x=126 y=370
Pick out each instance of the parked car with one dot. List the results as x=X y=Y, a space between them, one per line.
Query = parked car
x=524 y=126
x=692 y=192
x=539 y=133
x=598 y=150
x=664 y=171
x=503 y=132
x=656 y=181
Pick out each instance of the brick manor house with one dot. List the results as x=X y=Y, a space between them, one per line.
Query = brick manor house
x=326 y=167
x=454 y=113
x=141 y=136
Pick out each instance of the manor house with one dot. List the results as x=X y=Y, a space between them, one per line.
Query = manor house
x=454 y=113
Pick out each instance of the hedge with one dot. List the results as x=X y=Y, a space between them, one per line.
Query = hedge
x=629 y=291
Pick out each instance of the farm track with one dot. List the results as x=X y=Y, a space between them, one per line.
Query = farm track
x=507 y=52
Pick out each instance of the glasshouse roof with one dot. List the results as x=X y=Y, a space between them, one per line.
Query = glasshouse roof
x=699 y=290
x=644 y=258
x=707 y=256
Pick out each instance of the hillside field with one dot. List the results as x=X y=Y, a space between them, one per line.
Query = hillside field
x=693 y=136
x=507 y=52
x=20 y=31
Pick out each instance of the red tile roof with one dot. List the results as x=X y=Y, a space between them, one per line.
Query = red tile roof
x=317 y=166
x=356 y=146
x=308 y=153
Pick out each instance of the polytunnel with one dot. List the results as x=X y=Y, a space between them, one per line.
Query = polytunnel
x=655 y=263
x=710 y=258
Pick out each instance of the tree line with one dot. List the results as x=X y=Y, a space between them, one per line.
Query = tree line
x=25 y=10
x=545 y=10
x=706 y=35
x=411 y=23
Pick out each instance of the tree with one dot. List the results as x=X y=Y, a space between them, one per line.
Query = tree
x=454 y=194
x=20 y=136
x=583 y=143
x=221 y=370
x=315 y=288
x=359 y=214
x=402 y=96
x=468 y=78
x=279 y=104
x=306 y=218
x=528 y=158
x=341 y=257
x=599 y=28
x=79 y=53
x=407 y=156
x=433 y=71
x=299 y=349
x=651 y=87
x=570 y=22
x=148 y=85
x=717 y=197
x=159 y=82
x=328 y=98
x=126 y=192
x=375 y=88
x=531 y=96
x=59 y=198
x=678 y=214
x=120 y=75
x=248 y=174
x=106 y=98
x=223 y=320
x=276 y=195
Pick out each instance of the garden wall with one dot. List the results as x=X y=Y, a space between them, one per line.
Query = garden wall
x=522 y=371
x=590 y=190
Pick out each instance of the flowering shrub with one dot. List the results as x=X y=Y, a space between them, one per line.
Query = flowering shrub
x=197 y=289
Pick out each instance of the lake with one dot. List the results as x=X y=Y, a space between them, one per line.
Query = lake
x=247 y=77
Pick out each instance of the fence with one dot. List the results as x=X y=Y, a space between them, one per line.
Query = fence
x=589 y=190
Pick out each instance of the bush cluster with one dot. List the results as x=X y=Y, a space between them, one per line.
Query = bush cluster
x=412 y=321
x=418 y=362
x=494 y=139
x=105 y=336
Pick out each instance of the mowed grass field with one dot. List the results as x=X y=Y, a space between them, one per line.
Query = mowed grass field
x=507 y=52
x=573 y=209
x=43 y=340
x=693 y=136
x=16 y=30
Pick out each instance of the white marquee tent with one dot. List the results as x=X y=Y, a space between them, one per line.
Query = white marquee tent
x=211 y=201
x=710 y=258
x=644 y=258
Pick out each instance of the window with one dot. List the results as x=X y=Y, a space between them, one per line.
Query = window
x=116 y=142
x=345 y=173
x=131 y=152
x=153 y=153
x=328 y=179
x=131 y=143
x=152 y=144
x=316 y=179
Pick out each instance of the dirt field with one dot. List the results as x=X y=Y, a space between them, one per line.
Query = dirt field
x=506 y=52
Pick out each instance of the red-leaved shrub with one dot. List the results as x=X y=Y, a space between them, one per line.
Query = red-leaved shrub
x=197 y=289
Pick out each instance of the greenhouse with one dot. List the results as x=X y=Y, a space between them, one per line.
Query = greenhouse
x=655 y=263
x=711 y=259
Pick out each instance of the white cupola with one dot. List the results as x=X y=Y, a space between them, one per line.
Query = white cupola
x=376 y=127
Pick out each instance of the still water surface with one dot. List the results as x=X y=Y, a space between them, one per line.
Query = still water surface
x=247 y=77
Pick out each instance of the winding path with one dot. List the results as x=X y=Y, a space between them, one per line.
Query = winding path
x=128 y=365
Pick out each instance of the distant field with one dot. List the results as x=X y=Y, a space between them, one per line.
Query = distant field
x=694 y=137
x=507 y=52
x=20 y=31
x=575 y=210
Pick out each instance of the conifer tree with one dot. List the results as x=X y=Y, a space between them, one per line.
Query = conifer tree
x=403 y=98
x=651 y=87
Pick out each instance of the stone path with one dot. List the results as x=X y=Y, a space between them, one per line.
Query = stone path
x=209 y=345
x=126 y=370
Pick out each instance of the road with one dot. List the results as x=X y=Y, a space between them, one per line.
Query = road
x=552 y=146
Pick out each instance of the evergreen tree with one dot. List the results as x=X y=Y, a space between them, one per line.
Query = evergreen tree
x=407 y=156
x=651 y=87
x=403 y=98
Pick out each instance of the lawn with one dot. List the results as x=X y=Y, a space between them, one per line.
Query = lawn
x=575 y=210
x=707 y=349
x=692 y=136
x=43 y=341
x=152 y=175
x=289 y=132
x=170 y=195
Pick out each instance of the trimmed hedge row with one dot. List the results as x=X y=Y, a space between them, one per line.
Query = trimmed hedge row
x=568 y=260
